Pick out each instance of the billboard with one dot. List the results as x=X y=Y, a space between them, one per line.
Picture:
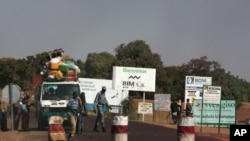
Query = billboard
x=134 y=79
x=212 y=114
x=194 y=87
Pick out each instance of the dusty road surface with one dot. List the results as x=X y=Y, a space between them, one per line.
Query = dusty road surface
x=137 y=131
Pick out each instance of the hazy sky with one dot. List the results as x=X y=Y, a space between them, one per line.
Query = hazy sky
x=177 y=30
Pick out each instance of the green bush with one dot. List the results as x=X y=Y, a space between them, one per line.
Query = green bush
x=128 y=107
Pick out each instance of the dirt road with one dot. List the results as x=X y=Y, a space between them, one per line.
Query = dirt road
x=136 y=131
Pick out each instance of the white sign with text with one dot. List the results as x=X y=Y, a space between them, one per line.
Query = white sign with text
x=211 y=94
x=134 y=79
x=145 y=108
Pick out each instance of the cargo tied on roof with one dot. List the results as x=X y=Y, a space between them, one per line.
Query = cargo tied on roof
x=56 y=68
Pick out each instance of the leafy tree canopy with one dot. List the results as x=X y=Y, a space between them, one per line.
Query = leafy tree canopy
x=99 y=65
x=139 y=54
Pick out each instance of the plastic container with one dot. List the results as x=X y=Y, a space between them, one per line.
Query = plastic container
x=54 y=66
x=24 y=107
x=71 y=75
x=54 y=63
x=59 y=75
x=63 y=68
x=70 y=64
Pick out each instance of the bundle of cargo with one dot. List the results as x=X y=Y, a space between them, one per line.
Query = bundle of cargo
x=57 y=69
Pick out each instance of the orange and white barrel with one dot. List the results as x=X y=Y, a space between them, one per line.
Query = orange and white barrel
x=186 y=129
x=56 y=131
x=119 y=128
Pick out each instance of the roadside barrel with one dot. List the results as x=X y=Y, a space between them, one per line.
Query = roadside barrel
x=56 y=131
x=119 y=128
x=185 y=129
x=248 y=121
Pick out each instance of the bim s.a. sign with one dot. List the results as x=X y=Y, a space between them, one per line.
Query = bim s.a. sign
x=194 y=86
x=134 y=79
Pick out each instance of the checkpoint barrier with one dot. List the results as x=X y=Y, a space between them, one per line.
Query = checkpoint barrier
x=247 y=121
x=185 y=129
x=119 y=128
x=56 y=131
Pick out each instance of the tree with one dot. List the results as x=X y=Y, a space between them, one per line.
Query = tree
x=81 y=66
x=232 y=87
x=139 y=54
x=175 y=82
x=99 y=65
x=7 y=73
x=25 y=71
x=200 y=67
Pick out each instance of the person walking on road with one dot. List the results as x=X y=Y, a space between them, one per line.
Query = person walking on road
x=83 y=112
x=99 y=103
x=175 y=110
x=73 y=108
x=25 y=111
x=17 y=114
x=188 y=108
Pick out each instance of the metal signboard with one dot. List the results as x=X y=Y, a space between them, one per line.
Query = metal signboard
x=212 y=94
x=134 y=79
x=15 y=94
x=194 y=87
x=145 y=108
x=162 y=102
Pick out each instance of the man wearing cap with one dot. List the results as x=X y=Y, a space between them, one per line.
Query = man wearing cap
x=99 y=103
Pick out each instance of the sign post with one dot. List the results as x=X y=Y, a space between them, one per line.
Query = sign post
x=211 y=95
x=11 y=94
x=134 y=79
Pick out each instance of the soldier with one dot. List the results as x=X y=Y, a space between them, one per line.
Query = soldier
x=99 y=103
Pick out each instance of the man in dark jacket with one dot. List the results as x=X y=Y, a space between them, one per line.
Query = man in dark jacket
x=175 y=110
x=25 y=113
x=83 y=112
x=188 y=108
